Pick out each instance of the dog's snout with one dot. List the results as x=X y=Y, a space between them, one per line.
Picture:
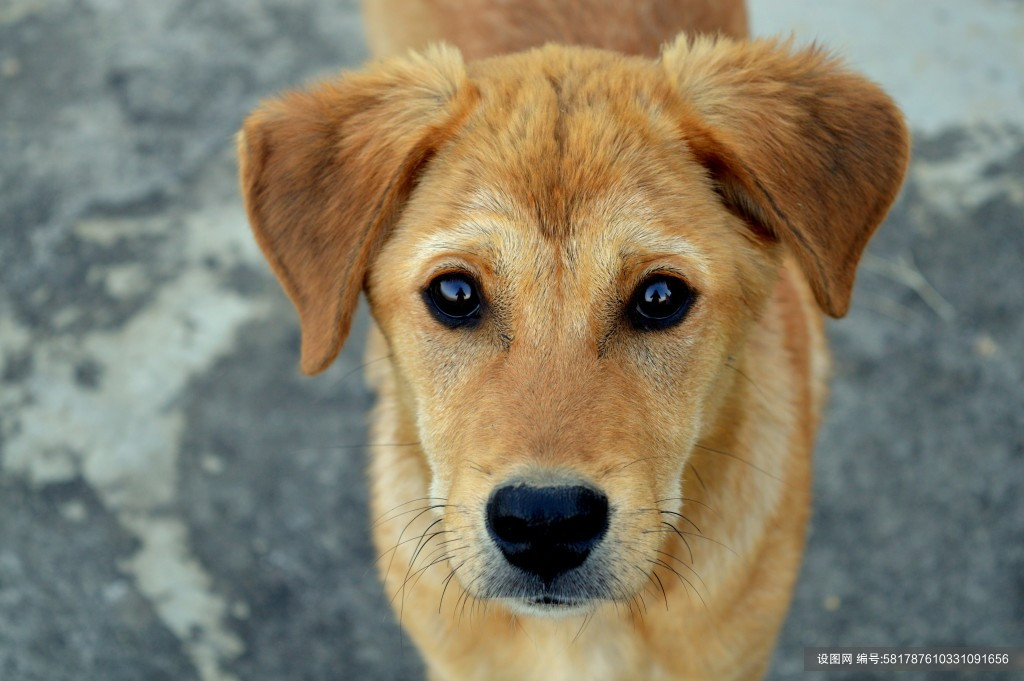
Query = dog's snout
x=547 y=531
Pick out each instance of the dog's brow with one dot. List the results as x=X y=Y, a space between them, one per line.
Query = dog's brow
x=649 y=246
x=478 y=238
x=484 y=201
x=658 y=246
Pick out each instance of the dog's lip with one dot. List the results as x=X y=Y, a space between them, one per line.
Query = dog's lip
x=549 y=605
x=554 y=602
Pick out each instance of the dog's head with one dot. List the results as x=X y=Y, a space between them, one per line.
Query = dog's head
x=562 y=248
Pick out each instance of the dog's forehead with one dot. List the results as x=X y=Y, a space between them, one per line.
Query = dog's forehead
x=557 y=129
x=568 y=153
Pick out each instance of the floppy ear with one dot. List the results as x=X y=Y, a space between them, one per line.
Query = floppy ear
x=325 y=170
x=801 y=148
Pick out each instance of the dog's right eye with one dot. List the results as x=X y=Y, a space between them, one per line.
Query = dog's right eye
x=660 y=301
x=454 y=300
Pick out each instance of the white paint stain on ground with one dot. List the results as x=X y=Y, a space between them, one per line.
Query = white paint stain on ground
x=182 y=592
x=123 y=435
x=960 y=182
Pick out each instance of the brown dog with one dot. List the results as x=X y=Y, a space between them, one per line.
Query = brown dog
x=595 y=280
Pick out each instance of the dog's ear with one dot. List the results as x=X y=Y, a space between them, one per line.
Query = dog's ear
x=325 y=170
x=805 y=151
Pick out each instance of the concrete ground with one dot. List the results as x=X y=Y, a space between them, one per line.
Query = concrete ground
x=176 y=502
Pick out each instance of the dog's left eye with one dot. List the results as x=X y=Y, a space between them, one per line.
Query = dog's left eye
x=660 y=301
x=454 y=299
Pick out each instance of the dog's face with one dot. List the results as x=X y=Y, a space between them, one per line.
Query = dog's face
x=563 y=249
x=560 y=296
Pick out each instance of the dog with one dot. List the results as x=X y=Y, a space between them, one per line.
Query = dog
x=597 y=239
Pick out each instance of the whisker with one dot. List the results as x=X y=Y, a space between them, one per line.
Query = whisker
x=419 y=547
x=636 y=461
x=441 y=549
x=447 y=580
x=418 y=575
x=362 y=366
x=465 y=601
x=691 y=534
x=586 y=620
x=400 y=535
x=751 y=382
x=681 y=516
x=477 y=603
x=402 y=589
x=464 y=598
x=688 y=567
x=662 y=587
x=440 y=545
x=697 y=475
x=640 y=596
x=680 y=533
x=479 y=469
x=422 y=544
x=690 y=500
x=651 y=577
x=668 y=567
x=737 y=458
x=393 y=548
x=383 y=516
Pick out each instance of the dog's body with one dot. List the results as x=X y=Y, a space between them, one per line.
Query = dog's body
x=557 y=188
x=485 y=28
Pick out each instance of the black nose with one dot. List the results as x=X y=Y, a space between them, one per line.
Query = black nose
x=546 y=531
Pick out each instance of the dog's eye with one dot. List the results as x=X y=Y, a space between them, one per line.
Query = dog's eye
x=659 y=302
x=454 y=299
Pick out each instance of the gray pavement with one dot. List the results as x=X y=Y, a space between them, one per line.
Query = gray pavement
x=176 y=502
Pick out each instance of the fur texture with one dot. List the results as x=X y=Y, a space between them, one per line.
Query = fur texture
x=558 y=179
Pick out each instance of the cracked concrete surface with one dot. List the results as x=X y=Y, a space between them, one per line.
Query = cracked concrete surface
x=176 y=502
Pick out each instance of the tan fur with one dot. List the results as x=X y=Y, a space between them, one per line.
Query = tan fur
x=484 y=28
x=559 y=178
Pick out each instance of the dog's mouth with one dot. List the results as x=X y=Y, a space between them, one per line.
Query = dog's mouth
x=555 y=602
x=549 y=605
